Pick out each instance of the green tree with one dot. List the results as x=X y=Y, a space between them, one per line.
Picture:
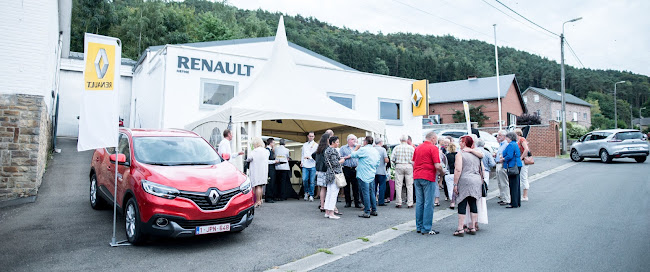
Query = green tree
x=475 y=115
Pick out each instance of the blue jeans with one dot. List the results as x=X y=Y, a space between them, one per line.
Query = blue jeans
x=424 y=192
x=368 y=194
x=309 y=180
x=381 y=181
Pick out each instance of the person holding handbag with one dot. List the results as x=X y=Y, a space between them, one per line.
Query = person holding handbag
x=468 y=184
x=333 y=161
x=512 y=162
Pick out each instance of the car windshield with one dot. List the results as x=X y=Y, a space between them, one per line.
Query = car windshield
x=174 y=151
x=628 y=135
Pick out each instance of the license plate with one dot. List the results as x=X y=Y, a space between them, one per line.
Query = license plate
x=633 y=148
x=212 y=229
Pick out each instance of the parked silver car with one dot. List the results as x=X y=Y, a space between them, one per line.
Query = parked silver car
x=610 y=144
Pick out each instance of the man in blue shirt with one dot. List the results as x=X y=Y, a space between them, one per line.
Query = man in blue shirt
x=350 y=172
x=368 y=162
x=502 y=176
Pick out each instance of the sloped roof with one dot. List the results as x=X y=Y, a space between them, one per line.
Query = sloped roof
x=257 y=40
x=470 y=89
x=557 y=96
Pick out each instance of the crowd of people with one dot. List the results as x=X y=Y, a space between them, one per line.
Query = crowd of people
x=460 y=170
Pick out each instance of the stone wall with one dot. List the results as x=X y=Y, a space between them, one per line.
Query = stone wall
x=543 y=140
x=25 y=141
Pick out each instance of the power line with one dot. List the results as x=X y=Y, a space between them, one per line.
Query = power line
x=513 y=18
x=444 y=19
x=573 y=53
x=526 y=18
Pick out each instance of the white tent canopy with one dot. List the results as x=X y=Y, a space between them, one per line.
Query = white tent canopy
x=282 y=92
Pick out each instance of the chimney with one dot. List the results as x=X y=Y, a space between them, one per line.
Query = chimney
x=471 y=77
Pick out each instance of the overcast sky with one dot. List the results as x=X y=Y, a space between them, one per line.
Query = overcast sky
x=613 y=34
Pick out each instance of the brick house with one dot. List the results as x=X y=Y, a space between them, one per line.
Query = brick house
x=446 y=97
x=548 y=105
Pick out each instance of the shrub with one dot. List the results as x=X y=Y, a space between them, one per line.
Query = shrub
x=528 y=119
x=575 y=131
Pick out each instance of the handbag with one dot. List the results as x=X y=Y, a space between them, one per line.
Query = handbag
x=484 y=187
x=512 y=171
x=528 y=160
x=338 y=178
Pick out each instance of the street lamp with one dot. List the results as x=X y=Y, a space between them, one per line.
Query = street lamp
x=615 y=113
x=564 y=144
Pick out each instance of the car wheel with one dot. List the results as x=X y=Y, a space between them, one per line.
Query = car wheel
x=133 y=225
x=575 y=156
x=605 y=157
x=640 y=159
x=96 y=201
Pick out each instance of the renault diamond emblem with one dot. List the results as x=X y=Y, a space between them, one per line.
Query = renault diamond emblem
x=416 y=97
x=103 y=59
x=214 y=196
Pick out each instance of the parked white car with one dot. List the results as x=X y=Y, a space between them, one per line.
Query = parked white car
x=491 y=143
x=610 y=144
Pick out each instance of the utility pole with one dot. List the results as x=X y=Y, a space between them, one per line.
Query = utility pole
x=564 y=144
x=496 y=58
x=615 y=112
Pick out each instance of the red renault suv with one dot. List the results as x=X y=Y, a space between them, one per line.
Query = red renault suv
x=170 y=183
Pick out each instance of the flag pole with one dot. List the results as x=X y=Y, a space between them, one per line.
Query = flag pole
x=115 y=243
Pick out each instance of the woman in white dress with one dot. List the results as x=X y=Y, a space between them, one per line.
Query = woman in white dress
x=258 y=171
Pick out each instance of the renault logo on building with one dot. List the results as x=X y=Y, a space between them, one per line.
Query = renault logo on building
x=101 y=59
x=214 y=196
x=416 y=97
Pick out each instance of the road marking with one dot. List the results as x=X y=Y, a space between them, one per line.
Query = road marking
x=341 y=251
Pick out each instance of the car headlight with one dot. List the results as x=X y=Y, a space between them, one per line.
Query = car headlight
x=159 y=190
x=245 y=187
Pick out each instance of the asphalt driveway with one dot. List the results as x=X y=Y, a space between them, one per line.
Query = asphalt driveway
x=61 y=232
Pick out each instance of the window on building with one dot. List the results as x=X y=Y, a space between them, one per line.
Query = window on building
x=346 y=100
x=575 y=117
x=525 y=99
x=216 y=93
x=539 y=113
x=558 y=117
x=390 y=111
x=512 y=119
x=536 y=98
x=584 y=116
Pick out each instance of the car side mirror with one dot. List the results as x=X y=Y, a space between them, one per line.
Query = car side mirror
x=120 y=158
x=225 y=156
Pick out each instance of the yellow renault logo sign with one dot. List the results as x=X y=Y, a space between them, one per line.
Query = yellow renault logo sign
x=420 y=97
x=99 y=74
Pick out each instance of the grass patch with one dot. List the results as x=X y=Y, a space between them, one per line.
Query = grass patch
x=325 y=250
x=565 y=156
x=394 y=228
x=363 y=239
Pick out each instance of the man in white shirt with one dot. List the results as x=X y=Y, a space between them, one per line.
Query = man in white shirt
x=309 y=166
x=282 y=170
x=224 y=146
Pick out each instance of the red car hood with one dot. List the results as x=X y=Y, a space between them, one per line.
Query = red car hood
x=197 y=178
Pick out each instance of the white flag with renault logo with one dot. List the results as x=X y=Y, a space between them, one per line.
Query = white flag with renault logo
x=99 y=115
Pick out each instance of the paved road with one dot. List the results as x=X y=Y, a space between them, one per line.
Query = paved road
x=591 y=217
x=60 y=232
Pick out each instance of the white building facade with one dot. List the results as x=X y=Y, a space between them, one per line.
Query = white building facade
x=174 y=85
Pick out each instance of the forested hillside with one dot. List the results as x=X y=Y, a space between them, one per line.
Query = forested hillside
x=140 y=24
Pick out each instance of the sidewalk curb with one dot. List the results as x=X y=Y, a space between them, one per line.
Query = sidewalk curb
x=341 y=251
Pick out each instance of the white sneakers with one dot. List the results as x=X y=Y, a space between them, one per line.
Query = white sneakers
x=524 y=199
x=306 y=195
x=311 y=199
x=332 y=216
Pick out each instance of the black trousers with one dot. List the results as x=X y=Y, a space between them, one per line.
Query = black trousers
x=462 y=206
x=444 y=186
x=515 y=193
x=283 y=184
x=351 y=178
x=271 y=186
